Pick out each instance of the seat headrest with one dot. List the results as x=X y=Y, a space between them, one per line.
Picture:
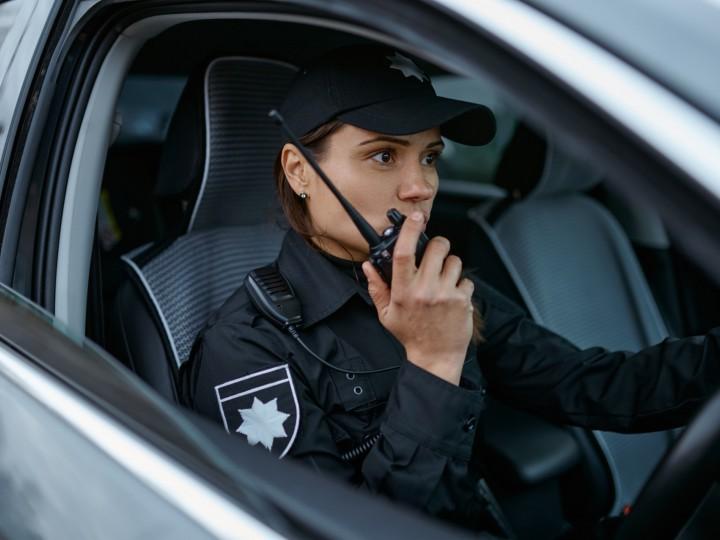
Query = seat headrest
x=182 y=156
x=563 y=173
x=222 y=144
x=534 y=166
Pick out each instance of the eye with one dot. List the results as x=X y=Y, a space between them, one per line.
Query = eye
x=384 y=156
x=431 y=158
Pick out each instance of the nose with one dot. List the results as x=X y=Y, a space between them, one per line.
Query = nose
x=418 y=184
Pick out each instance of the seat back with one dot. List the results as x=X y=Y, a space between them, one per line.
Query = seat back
x=221 y=135
x=578 y=276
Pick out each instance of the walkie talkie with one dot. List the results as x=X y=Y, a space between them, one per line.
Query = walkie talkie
x=381 y=246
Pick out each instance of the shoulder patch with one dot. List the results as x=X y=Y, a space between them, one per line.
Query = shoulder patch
x=263 y=407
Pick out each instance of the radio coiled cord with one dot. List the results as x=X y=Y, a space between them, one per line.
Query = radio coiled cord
x=361 y=449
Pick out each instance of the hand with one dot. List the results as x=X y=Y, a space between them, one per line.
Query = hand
x=428 y=309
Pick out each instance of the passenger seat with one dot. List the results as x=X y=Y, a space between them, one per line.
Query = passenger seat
x=577 y=275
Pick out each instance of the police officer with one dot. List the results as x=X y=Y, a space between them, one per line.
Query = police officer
x=399 y=408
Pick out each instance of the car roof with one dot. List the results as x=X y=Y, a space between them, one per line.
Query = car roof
x=174 y=51
x=676 y=43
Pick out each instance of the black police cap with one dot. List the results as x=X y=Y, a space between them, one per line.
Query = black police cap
x=380 y=89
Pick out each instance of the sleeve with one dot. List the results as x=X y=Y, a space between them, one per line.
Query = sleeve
x=427 y=433
x=533 y=368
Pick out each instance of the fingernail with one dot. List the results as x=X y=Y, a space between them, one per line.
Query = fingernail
x=416 y=216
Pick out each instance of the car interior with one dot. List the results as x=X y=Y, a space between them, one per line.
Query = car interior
x=186 y=208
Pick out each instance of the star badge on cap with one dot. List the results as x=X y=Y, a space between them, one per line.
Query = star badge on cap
x=406 y=66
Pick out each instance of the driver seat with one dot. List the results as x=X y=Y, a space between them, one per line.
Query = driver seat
x=220 y=145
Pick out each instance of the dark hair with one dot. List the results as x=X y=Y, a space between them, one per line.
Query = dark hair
x=295 y=209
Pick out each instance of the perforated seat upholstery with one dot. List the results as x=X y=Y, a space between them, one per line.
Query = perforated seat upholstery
x=578 y=276
x=234 y=225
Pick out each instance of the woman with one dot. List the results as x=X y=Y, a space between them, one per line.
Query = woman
x=399 y=407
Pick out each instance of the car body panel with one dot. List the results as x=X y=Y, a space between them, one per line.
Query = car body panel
x=23 y=30
x=58 y=484
x=646 y=34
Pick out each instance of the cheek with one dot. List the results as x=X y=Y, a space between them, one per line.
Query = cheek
x=371 y=193
x=432 y=178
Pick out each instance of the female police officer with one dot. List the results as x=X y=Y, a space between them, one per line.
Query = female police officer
x=383 y=386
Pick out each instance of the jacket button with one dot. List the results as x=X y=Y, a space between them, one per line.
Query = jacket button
x=483 y=391
x=469 y=424
x=358 y=390
x=349 y=376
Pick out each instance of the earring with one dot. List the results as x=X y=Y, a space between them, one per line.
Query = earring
x=303 y=195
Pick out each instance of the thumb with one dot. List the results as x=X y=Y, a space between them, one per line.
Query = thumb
x=378 y=289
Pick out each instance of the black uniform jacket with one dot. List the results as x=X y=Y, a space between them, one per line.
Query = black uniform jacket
x=258 y=381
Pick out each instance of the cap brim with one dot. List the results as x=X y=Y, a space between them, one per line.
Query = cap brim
x=460 y=121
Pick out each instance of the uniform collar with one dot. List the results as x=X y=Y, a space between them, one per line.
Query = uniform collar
x=321 y=287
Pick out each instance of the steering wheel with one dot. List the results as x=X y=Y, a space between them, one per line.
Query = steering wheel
x=680 y=482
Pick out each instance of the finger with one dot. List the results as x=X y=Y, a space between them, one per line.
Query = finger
x=432 y=262
x=404 y=268
x=467 y=287
x=452 y=270
x=378 y=289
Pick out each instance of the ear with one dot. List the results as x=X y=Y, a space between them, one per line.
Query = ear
x=295 y=167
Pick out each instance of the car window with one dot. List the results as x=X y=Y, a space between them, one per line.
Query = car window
x=471 y=163
x=145 y=106
x=126 y=217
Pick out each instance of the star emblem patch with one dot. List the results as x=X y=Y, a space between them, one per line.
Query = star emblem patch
x=406 y=66
x=262 y=407
x=262 y=423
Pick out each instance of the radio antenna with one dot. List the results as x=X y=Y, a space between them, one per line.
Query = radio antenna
x=363 y=226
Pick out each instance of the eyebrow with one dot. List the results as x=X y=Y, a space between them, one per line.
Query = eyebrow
x=402 y=142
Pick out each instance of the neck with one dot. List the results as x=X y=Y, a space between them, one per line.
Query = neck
x=336 y=249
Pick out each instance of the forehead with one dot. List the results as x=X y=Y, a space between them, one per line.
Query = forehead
x=348 y=135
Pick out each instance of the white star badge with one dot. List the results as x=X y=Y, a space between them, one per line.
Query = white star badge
x=262 y=423
x=263 y=406
x=406 y=66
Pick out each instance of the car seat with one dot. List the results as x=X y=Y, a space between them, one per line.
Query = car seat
x=575 y=271
x=221 y=146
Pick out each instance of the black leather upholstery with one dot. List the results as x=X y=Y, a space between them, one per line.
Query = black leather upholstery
x=138 y=334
